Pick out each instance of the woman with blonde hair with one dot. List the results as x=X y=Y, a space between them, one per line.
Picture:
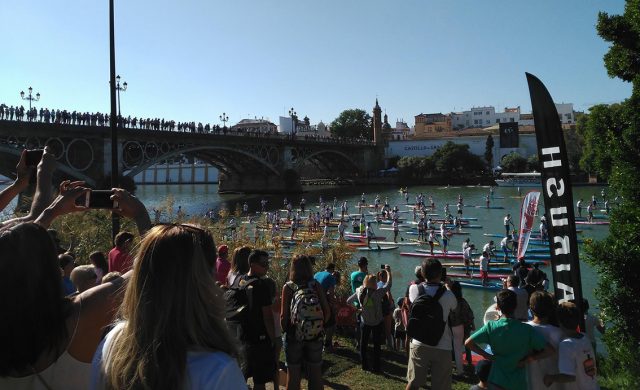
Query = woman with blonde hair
x=172 y=334
x=303 y=314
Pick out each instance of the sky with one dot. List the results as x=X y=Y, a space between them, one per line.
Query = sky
x=193 y=60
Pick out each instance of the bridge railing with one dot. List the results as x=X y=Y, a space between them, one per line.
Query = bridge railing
x=216 y=131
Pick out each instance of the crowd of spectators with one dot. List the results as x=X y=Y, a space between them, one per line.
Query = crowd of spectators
x=77 y=118
x=159 y=316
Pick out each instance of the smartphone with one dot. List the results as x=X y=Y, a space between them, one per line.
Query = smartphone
x=33 y=157
x=443 y=274
x=97 y=199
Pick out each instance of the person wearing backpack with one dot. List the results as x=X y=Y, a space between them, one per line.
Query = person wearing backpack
x=369 y=297
x=249 y=317
x=303 y=314
x=431 y=338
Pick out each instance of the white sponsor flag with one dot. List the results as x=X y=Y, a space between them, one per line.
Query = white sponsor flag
x=527 y=217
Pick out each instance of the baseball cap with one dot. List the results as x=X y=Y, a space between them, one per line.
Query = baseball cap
x=223 y=249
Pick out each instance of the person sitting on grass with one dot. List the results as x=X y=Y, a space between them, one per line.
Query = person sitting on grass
x=512 y=344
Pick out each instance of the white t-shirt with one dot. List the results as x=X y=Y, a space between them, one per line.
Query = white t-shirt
x=504 y=241
x=204 y=369
x=576 y=357
x=448 y=302
x=507 y=220
x=484 y=263
x=486 y=248
x=537 y=369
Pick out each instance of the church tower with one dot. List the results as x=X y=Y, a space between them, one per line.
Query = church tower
x=377 y=124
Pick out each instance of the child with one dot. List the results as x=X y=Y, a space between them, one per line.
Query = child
x=399 y=333
x=576 y=359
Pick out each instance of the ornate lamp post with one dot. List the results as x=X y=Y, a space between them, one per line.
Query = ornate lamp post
x=224 y=118
x=30 y=98
x=119 y=88
x=294 y=119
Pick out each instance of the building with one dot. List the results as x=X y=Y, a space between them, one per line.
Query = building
x=487 y=116
x=431 y=123
x=483 y=117
x=255 y=126
x=476 y=138
x=400 y=132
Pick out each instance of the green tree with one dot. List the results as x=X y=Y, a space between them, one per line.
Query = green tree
x=599 y=128
x=575 y=147
x=352 y=123
x=513 y=162
x=533 y=164
x=617 y=258
x=455 y=160
x=488 y=151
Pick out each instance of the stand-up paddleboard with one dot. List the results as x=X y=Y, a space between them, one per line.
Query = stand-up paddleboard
x=374 y=248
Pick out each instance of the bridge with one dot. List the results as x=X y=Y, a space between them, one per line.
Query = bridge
x=249 y=163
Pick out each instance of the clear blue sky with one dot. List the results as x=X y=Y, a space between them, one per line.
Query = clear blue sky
x=192 y=60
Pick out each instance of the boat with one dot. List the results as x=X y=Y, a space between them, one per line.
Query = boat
x=529 y=179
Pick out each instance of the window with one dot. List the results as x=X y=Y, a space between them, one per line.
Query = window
x=497 y=120
x=488 y=113
x=568 y=116
x=488 y=121
x=511 y=120
x=475 y=121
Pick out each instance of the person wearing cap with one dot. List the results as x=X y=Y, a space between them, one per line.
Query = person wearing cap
x=222 y=264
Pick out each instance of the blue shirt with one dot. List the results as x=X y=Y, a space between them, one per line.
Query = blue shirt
x=325 y=279
x=67 y=286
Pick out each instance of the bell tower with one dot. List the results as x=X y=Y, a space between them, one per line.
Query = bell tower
x=377 y=124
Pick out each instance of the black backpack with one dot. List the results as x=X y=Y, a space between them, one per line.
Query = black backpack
x=239 y=308
x=426 y=322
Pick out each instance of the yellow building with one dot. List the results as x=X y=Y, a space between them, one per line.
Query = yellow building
x=428 y=124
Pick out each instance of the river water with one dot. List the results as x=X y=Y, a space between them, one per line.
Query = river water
x=197 y=199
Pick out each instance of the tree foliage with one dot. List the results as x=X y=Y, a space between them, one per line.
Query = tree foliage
x=514 y=162
x=352 y=123
x=599 y=129
x=617 y=258
x=449 y=161
x=488 y=151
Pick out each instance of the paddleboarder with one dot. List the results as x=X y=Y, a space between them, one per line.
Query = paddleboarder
x=445 y=238
x=487 y=200
x=507 y=223
x=579 y=208
x=466 y=257
x=369 y=234
x=484 y=267
x=590 y=212
x=396 y=230
x=341 y=228
x=431 y=239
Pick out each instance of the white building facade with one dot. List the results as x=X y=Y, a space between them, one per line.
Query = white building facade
x=487 y=116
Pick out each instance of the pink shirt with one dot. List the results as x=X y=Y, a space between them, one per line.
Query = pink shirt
x=222 y=269
x=119 y=261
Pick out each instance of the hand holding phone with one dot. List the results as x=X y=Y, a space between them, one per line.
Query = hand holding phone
x=97 y=199
x=33 y=157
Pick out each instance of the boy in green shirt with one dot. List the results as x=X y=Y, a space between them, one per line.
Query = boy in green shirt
x=512 y=344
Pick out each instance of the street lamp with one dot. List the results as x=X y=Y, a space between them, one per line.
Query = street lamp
x=224 y=118
x=119 y=88
x=30 y=98
x=294 y=119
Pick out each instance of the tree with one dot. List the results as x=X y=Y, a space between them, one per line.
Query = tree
x=352 y=123
x=598 y=128
x=455 y=160
x=617 y=258
x=533 y=163
x=488 y=151
x=513 y=162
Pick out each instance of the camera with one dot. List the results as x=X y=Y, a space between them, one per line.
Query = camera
x=97 y=199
